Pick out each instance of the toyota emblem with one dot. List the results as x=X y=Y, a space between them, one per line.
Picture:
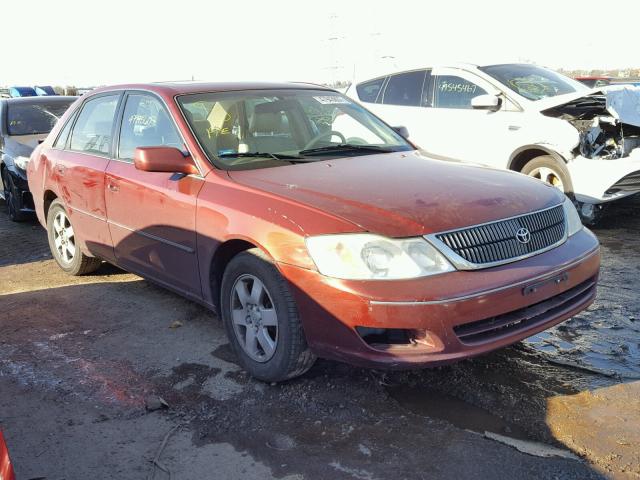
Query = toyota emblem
x=523 y=235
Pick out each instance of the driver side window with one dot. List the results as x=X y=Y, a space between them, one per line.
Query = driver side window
x=455 y=92
x=146 y=123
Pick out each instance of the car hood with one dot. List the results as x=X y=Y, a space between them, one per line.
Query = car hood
x=559 y=100
x=620 y=101
x=404 y=193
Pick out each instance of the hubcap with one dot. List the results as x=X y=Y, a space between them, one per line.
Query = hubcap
x=548 y=175
x=63 y=238
x=255 y=321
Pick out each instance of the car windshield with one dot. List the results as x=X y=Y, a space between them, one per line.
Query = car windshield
x=262 y=128
x=34 y=118
x=532 y=82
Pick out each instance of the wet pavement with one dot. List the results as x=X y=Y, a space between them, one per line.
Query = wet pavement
x=80 y=358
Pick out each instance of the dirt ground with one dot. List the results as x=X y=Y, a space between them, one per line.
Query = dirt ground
x=79 y=357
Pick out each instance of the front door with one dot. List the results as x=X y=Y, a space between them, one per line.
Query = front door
x=461 y=132
x=152 y=215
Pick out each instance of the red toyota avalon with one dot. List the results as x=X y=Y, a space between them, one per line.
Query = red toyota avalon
x=309 y=225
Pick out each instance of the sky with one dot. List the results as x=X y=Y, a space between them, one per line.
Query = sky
x=91 y=43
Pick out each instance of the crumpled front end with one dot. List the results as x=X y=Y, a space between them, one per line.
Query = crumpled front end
x=606 y=165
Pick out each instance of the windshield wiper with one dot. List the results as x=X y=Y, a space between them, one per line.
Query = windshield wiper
x=275 y=156
x=345 y=147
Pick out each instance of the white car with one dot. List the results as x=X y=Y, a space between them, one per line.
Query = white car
x=520 y=117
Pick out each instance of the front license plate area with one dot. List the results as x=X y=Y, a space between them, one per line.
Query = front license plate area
x=534 y=287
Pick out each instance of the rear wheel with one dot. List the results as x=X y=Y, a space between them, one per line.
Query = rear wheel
x=63 y=245
x=12 y=199
x=550 y=170
x=261 y=319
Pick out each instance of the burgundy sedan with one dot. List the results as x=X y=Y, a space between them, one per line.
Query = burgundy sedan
x=309 y=225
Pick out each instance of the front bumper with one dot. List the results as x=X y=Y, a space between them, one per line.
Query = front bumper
x=21 y=190
x=454 y=316
x=598 y=181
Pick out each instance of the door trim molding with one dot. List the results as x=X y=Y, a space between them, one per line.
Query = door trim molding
x=151 y=236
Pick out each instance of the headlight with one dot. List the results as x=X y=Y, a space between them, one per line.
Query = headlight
x=21 y=162
x=574 y=224
x=366 y=256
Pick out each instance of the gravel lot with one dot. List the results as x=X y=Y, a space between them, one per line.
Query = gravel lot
x=80 y=357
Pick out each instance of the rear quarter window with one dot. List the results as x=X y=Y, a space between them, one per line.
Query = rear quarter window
x=368 y=91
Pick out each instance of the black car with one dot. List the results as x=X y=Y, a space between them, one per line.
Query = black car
x=24 y=122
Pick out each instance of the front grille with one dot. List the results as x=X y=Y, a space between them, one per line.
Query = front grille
x=508 y=323
x=629 y=183
x=496 y=242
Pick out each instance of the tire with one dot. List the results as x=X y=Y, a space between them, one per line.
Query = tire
x=76 y=263
x=550 y=170
x=290 y=356
x=10 y=198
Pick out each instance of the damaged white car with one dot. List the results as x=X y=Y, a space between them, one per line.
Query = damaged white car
x=521 y=117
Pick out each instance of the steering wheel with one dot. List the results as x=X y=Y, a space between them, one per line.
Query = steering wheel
x=315 y=140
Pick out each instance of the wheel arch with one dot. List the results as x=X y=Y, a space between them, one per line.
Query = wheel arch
x=221 y=258
x=526 y=153
x=47 y=199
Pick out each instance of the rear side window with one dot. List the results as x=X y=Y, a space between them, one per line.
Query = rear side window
x=405 y=89
x=92 y=132
x=34 y=118
x=146 y=123
x=455 y=92
x=368 y=91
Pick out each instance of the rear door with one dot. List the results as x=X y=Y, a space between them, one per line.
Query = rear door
x=401 y=103
x=79 y=158
x=152 y=214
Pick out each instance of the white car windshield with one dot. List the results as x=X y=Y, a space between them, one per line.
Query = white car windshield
x=533 y=82
x=264 y=128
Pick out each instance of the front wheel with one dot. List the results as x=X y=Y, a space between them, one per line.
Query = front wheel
x=11 y=198
x=261 y=319
x=63 y=244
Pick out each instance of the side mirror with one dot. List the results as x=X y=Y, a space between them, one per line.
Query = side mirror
x=163 y=159
x=486 y=102
x=402 y=131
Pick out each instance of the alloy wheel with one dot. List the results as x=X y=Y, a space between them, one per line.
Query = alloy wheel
x=64 y=238
x=255 y=320
x=549 y=176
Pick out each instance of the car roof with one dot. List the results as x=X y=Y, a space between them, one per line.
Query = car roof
x=460 y=65
x=182 y=88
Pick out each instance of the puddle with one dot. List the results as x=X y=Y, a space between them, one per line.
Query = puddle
x=606 y=337
x=436 y=405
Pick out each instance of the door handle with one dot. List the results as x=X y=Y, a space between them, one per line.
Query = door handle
x=113 y=187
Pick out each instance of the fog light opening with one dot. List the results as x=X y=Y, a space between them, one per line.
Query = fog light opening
x=383 y=337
